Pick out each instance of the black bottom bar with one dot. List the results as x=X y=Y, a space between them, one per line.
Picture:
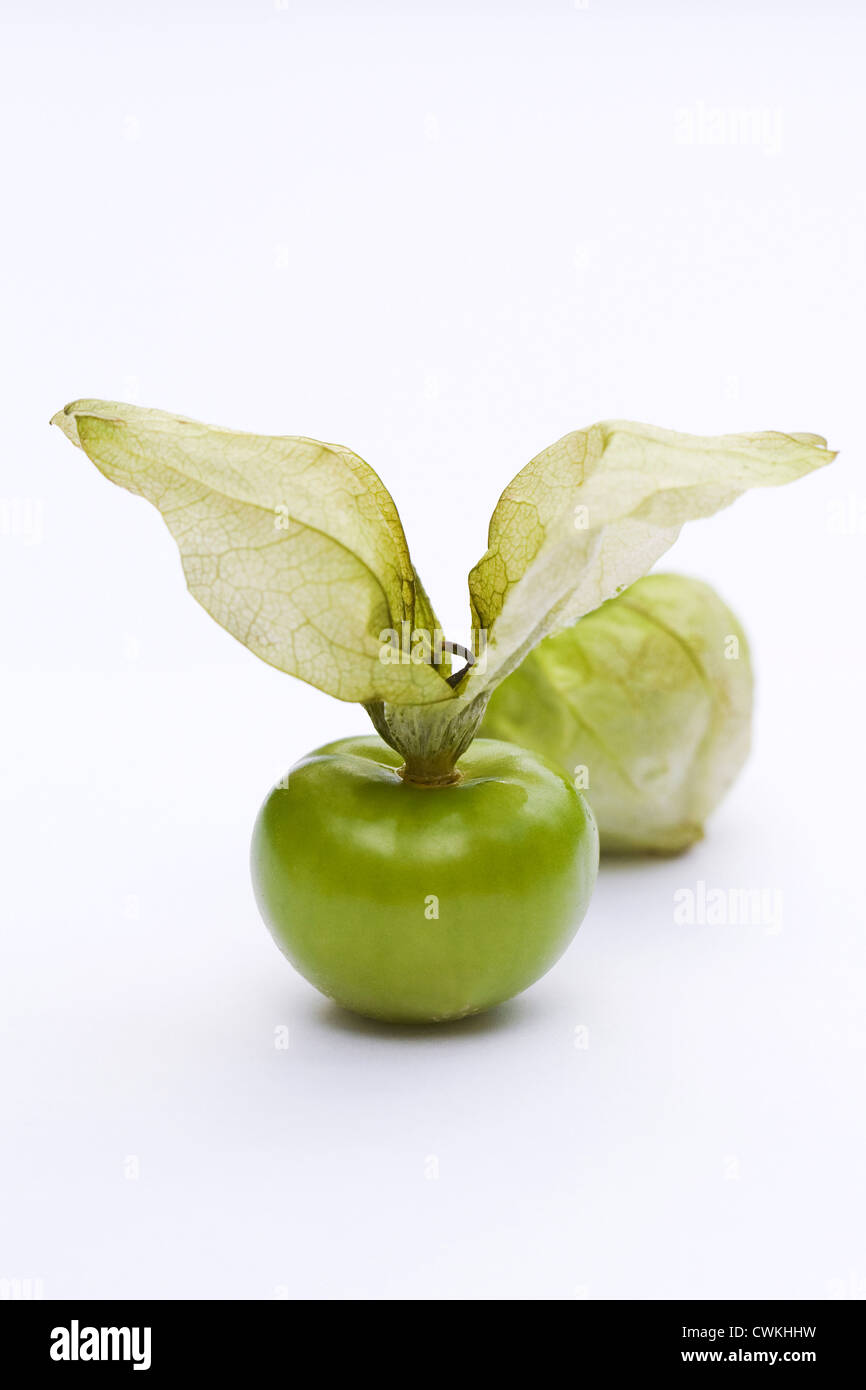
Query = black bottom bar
x=159 y=1338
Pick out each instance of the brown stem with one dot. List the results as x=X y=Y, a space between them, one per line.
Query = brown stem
x=424 y=775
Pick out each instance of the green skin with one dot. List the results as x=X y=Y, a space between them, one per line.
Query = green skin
x=351 y=865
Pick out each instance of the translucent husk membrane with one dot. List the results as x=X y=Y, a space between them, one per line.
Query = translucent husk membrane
x=296 y=548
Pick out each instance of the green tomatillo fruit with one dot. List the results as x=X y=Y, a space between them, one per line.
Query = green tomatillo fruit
x=411 y=903
x=296 y=548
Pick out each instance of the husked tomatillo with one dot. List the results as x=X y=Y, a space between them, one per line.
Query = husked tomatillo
x=647 y=703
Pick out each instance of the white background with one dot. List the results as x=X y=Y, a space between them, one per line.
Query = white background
x=443 y=235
